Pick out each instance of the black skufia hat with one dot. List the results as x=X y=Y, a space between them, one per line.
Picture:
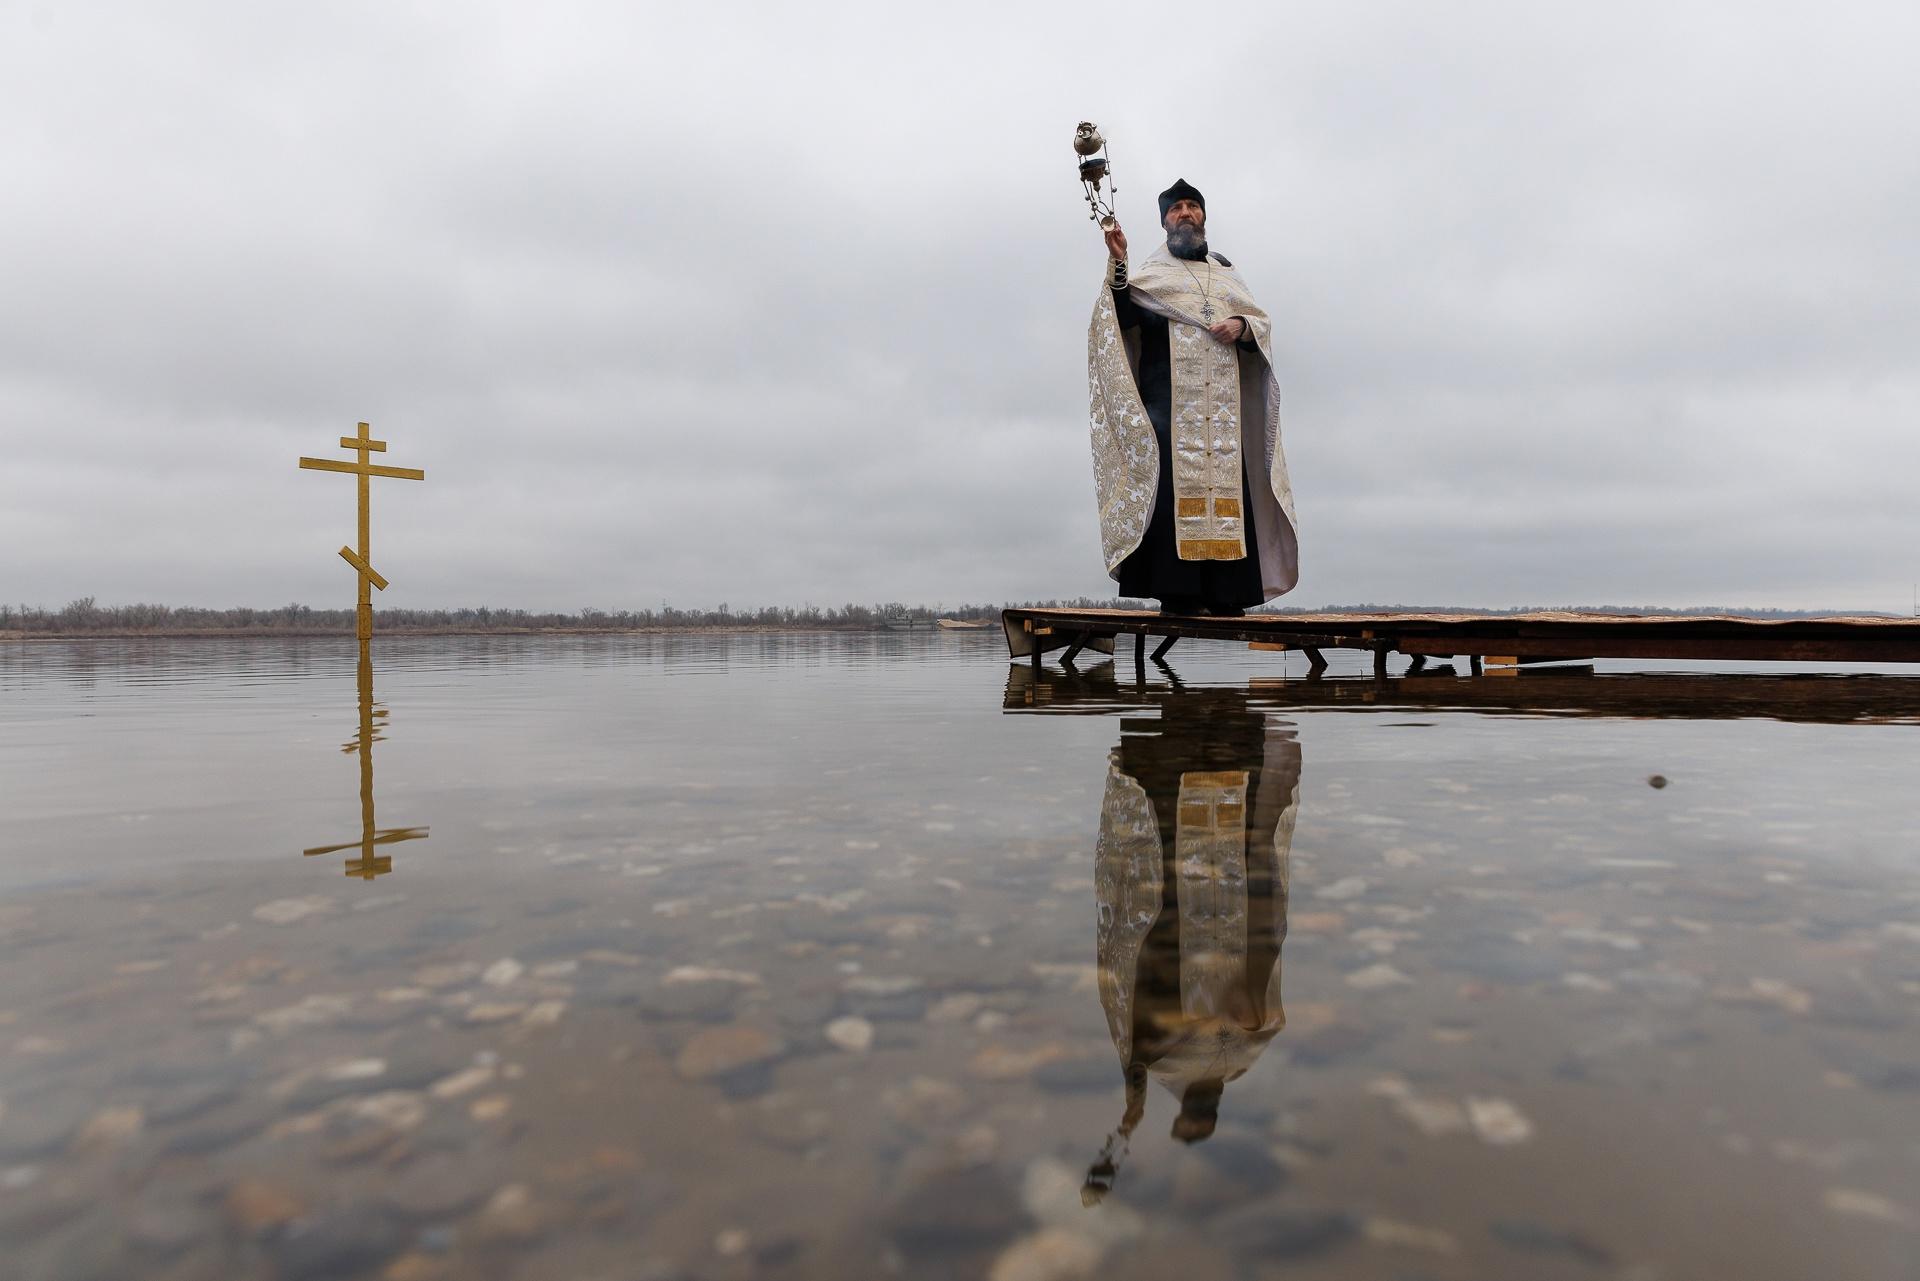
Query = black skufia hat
x=1180 y=190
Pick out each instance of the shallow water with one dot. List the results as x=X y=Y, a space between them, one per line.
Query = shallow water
x=842 y=957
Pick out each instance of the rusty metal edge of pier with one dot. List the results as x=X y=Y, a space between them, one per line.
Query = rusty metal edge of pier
x=1533 y=637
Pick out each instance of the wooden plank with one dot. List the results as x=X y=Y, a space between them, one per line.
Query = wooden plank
x=1536 y=637
x=1409 y=625
x=1276 y=646
x=1844 y=649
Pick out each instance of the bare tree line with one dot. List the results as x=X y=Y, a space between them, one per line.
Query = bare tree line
x=86 y=617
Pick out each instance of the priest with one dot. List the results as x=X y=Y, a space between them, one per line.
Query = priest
x=1195 y=507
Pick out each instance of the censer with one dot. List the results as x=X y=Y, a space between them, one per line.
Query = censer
x=1096 y=166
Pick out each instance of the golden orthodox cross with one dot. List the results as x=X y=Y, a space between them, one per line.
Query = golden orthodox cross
x=369 y=864
x=364 y=469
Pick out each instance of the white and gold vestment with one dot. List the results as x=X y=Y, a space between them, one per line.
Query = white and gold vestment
x=1226 y=410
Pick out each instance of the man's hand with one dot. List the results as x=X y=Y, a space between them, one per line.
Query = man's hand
x=1230 y=330
x=1116 y=244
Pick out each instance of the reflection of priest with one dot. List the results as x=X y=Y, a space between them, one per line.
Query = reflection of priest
x=1190 y=877
x=1182 y=390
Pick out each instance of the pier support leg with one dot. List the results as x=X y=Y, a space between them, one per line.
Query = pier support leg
x=1073 y=651
x=1380 y=660
x=1036 y=658
x=1473 y=663
x=1418 y=665
x=1139 y=648
x=1316 y=661
x=1160 y=651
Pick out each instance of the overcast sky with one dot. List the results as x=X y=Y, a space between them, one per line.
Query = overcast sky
x=788 y=303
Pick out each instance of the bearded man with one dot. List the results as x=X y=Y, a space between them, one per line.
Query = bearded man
x=1195 y=507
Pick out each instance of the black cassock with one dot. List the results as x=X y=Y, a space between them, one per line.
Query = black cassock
x=1154 y=570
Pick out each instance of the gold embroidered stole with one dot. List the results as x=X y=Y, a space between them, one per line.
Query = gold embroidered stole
x=1208 y=428
x=1207 y=521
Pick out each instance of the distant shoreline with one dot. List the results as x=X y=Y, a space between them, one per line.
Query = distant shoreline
x=83 y=619
x=318 y=633
x=922 y=627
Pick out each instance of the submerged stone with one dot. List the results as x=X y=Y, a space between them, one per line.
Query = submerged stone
x=852 y=1034
x=439 y=1186
x=253 y=1206
x=959 y=1211
x=1270 y=1231
x=339 y=1242
x=723 y=1049
x=1051 y=1254
x=1539 y=1238
x=39 y=1126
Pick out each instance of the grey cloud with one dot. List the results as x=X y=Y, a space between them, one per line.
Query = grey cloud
x=771 y=305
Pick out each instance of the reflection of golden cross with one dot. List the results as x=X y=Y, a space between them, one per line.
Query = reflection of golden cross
x=363 y=470
x=369 y=864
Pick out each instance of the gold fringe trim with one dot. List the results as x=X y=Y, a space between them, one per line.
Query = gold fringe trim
x=1212 y=548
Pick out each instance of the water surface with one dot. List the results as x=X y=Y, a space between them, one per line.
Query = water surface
x=841 y=957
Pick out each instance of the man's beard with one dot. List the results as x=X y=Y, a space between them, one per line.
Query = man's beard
x=1185 y=240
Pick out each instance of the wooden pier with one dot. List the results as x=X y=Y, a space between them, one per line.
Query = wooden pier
x=1486 y=640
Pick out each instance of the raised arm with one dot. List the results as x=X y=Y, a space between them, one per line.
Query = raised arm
x=1124 y=311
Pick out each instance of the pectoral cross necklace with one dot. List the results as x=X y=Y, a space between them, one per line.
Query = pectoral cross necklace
x=1206 y=291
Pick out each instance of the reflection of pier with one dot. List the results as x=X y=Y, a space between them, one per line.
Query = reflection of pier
x=1573 y=692
x=1510 y=639
x=370 y=864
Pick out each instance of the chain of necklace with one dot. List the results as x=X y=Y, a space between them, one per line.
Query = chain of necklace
x=1206 y=290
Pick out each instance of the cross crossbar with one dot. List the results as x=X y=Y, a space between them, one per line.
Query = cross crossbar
x=363 y=469
x=373 y=575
